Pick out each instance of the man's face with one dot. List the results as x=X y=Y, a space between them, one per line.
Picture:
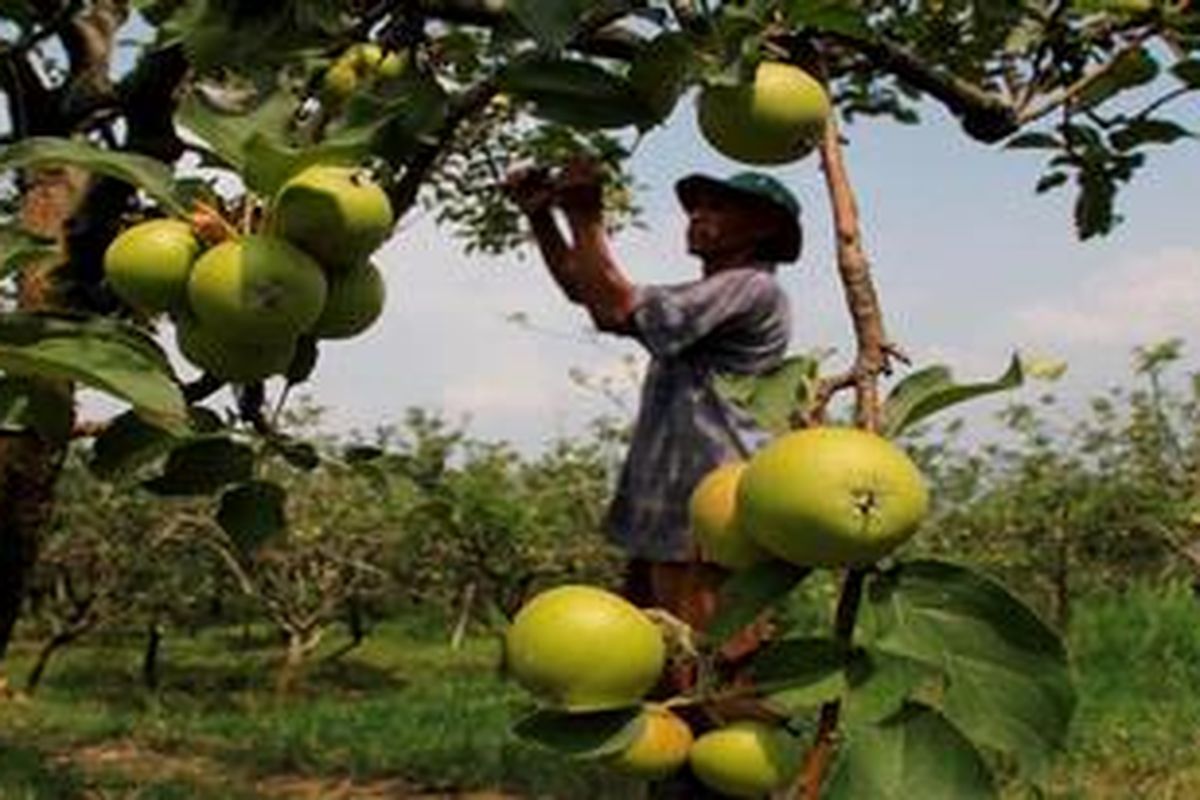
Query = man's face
x=721 y=225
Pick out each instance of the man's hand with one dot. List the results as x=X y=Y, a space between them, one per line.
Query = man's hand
x=530 y=188
x=580 y=189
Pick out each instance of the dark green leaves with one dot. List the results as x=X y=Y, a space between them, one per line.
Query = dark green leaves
x=772 y=399
x=932 y=389
x=577 y=93
x=228 y=132
x=662 y=71
x=111 y=356
x=29 y=405
x=584 y=736
x=148 y=174
x=127 y=443
x=203 y=466
x=252 y=513
x=796 y=674
x=1007 y=684
x=915 y=753
x=552 y=22
x=1148 y=131
x=1130 y=69
x=749 y=592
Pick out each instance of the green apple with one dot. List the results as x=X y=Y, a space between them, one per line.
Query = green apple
x=581 y=648
x=394 y=65
x=366 y=56
x=339 y=82
x=831 y=496
x=777 y=119
x=233 y=361
x=660 y=747
x=744 y=759
x=712 y=510
x=337 y=214
x=257 y=287
x=354 y=302
x=147 y=265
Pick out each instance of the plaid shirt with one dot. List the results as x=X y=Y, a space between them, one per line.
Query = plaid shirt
x=736 y=320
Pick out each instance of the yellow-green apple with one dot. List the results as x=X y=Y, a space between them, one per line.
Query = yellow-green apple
x=233 y=361
x=257 y=287
x=831 y=496
x=147 y=265
x=744 y=759
x=660 y=747
x=337 y=214
x=777 y=119
x=581 y=648
x=713 y=513
x=354 y=302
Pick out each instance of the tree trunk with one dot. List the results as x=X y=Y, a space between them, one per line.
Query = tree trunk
x=150 y=656
x=299 y=645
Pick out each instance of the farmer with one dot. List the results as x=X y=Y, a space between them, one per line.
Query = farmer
x=733 y=318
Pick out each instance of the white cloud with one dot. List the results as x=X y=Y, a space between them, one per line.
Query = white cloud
x=1137 y=301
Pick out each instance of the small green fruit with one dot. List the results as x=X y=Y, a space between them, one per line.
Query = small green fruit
x=713 y=513
x=336 y=214
x=148 y=264
x=236 y=362
x=340 y=81
x=777 y=119
x=661 y=746
x=257 y=287
x=394 y=65
x=354 y=302
x=367 y=57
x=831 y=497
x=744 y=759
x=581 y=648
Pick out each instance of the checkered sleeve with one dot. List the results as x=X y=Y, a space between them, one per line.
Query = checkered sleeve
x=670 y=319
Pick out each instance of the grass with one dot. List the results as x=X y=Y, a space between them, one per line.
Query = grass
x=405 y=715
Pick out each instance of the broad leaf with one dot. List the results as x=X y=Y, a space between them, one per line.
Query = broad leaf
x=773 y=398
x=128 y=443
x=27 y=405
x=915 y=753
x=105 y=354
x=1007 y=684
x=576 y=93
x=252 y=513
x=301 y=455
x=19 y=248
x=228 y=134
x=748 y=593
x=796 y=674
x=830 y=16
x=584 y=736
x=148 y=174
x=661 y=72
x=1132 y=68
x=1188 y=71
x=1149 y=131
x=203 y=466
x=881 y=683
x=552 y=22
x=932 y=389
x=1034 y=140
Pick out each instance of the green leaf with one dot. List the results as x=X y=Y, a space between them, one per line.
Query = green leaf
x=301 y=455
x=801 y=673
x=584 y=736
x=203 y=466
x=228 y=134
x=1131 y=69
x=661 y=72
x=1188 y=71
x=552 y=22
x=106 y=354
x=880 y=683
x=19 y=248
x=1050 y=181
x=772 y=398
x=1094 y=214
x=1148 y=131
x=1034 y=141
x=128 y=443
x=830 y=16
x=932 y=389
x=748 y=593
x=29 y=405
x=575 y=93
x=916 y=753
x=390 y=121
x=148 y=174
x=252 y=513
x=1007 y=684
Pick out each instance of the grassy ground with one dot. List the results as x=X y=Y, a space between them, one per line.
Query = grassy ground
x=404 y=716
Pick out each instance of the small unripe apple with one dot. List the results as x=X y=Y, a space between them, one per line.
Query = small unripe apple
x=257 y=287
x=394 y=65
x=831 y=497
x=744 y=759
x=367 y=57
x=355 y=300
x=147 y=265
x=713 y=513
x=581 y=648
x=233 y=361
x=339 y=82
x=337 y=214
x=777 y=119
x=660 y=748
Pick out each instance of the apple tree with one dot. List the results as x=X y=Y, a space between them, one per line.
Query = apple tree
x=256 y=154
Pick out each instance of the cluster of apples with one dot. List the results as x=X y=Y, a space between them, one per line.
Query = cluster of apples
x=581 y=650
x=240 y=306
x=777 y=118
x=359 y=65
x=818 y=497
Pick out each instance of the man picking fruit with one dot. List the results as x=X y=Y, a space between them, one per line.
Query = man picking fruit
x=733 y=318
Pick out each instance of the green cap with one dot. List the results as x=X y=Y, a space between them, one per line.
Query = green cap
x=760 y=187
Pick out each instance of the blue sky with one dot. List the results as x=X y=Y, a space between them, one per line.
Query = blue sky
x=969 y=263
